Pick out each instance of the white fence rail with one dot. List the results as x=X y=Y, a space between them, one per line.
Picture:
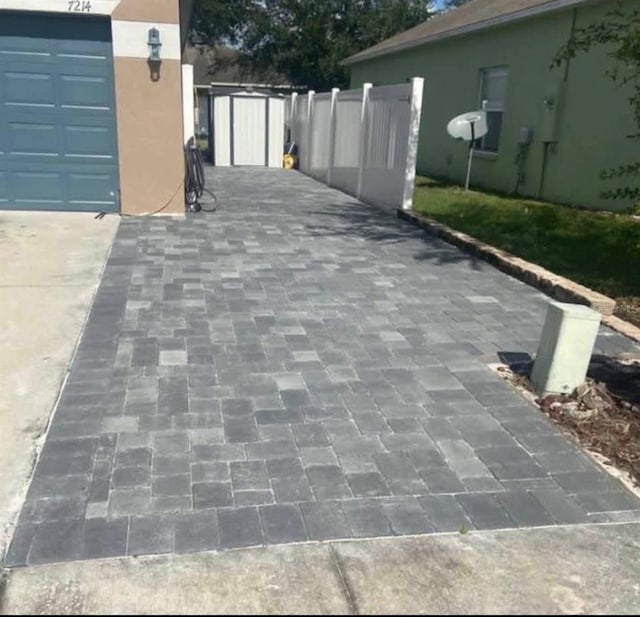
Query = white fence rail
x=363 y=142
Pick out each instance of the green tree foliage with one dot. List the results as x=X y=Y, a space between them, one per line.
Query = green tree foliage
x=218 y=21
x=620 y=33
x=304 y=40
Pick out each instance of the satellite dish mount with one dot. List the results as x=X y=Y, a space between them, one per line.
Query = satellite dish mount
x=469 y=127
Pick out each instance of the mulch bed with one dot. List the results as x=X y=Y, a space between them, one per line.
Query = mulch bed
x=602 y=415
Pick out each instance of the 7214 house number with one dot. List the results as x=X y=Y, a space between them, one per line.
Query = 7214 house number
x=79 y=6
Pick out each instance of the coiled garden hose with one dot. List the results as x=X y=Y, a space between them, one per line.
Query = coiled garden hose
x=194 y=180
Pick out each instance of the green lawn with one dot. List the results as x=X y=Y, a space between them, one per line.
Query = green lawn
x=601 y=252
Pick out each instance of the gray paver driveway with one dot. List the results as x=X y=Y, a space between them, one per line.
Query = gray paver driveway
x=296 y=367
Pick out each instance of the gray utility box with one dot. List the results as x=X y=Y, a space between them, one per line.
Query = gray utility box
x=568 y=337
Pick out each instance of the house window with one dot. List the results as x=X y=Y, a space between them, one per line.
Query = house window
x=493 y=90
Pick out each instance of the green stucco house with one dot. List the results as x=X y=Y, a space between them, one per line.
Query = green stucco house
x=551 y=131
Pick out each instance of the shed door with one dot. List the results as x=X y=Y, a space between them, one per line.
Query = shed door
x=58 y=144
x=249 y=130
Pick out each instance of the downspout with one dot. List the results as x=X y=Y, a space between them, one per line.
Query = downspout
x=565 y=79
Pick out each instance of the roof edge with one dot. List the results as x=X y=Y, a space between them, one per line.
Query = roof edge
x=547 y=7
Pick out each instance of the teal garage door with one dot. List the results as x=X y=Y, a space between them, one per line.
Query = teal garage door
x=58 y=145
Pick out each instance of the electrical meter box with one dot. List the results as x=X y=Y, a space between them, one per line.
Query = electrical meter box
x=525 y=135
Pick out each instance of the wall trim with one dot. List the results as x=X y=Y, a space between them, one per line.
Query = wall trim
x=130 y=39
x=98 y=7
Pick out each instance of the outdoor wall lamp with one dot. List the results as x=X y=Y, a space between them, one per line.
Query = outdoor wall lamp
x=154 y=45
x=154 y=53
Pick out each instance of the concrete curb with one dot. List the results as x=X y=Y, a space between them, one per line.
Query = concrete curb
x=622 y=326
x=555 y=286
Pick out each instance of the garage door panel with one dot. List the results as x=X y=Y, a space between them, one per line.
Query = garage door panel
x=88 y=141
x=58 y=144
x=28 y=89
x=80 y=91
x=89 y=188
x=80 y=50
x=14 y=44
x=32 y=139
x=28 y=187
x=4 y=187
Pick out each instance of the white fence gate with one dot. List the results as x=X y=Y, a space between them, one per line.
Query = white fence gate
x=248 y=130
x=363 y=142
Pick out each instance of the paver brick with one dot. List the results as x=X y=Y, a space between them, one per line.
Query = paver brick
x=366 y=518
x=252 y=497
x=227 y=363
x=485 y=511
x=562 y=508
x=445 y=513
x=212 y=495
x=406 y=516
x=239 y=527
x=462 y=459
x=196 y=531
x=52 y=509
x=265 y=450
x=217 y=452
x=291 y=489
x=368 y=484
x=325 y=521
x=249 y=475
x=123 y=477
x=129 y=501
x=282 y=523
x=57 y=541
x=133 y=457
x=307 y=435
x=18 y=550
x=524 y=508
x=610 y=501
x=171 y=485
x=105 y=538
x=150 y=535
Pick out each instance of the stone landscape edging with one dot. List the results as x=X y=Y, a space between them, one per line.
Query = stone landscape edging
x=558 y=287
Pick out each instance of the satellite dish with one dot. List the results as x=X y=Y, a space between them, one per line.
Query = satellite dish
x=469 y=127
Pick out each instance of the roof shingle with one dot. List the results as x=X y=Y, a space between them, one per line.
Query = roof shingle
x=474 y=15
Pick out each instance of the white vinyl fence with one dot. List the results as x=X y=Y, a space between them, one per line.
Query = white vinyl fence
x=363 y=142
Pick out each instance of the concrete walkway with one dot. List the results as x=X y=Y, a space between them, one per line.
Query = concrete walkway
x=570 y=570
x=298 y=367
x=51 y=267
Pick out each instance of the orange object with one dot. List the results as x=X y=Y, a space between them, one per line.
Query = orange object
x=289 y=161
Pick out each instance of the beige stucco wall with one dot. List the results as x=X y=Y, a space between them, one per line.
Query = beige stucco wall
x=149 y=137
x=164 y=11
x=149 y=116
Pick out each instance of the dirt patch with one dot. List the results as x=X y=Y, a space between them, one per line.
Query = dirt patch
x=603 y=415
